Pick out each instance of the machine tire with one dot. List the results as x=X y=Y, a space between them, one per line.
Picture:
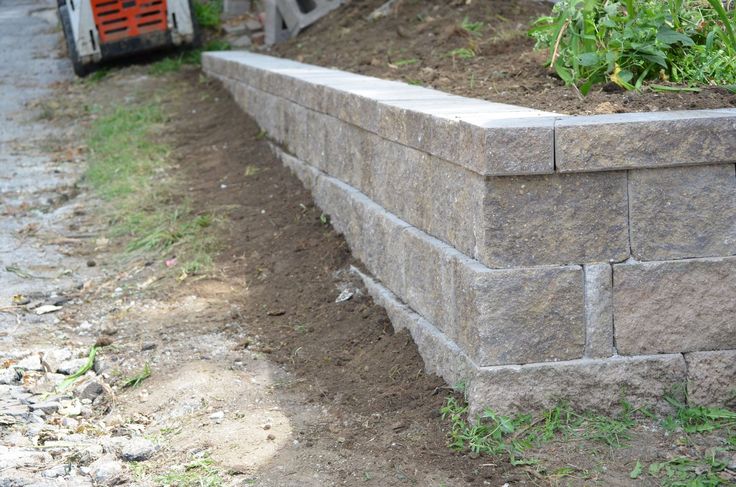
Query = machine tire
x=80 y=69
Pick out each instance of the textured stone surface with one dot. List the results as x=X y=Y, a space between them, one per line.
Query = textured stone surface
x=430 y=279
x=598 y=311
x=711 y=378
x=636 y=140
x=590 y=384
x=519 y=316
x=304 y=172
x=675 y=306
x=441 y=356
x=555 y=219
x=683 y=212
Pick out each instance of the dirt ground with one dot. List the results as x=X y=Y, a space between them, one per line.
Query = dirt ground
x=413 y=42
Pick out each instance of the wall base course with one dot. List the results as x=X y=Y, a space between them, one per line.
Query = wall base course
x=711 y=378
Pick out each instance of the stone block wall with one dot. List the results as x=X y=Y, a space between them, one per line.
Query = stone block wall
x=532 y=256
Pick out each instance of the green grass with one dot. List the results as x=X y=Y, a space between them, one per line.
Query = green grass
x=472 y=28
x=514 y=436
x=208 y=13
x=191 y=57
x=128 y=168
x=136 y=379
x=199 y=473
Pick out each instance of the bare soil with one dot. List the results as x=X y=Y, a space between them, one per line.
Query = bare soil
x=413 y=44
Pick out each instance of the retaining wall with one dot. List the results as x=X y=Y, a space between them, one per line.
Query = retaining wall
x=531 y=255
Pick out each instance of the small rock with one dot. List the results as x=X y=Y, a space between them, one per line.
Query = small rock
x=148 y=346
x=48 y=407
x=241 y=42
x=57 y=471
x=9 y=376
x=91 y=391
x=271 y=437
x=69 y=367
x=235 y=29
x=32 y=362
x=91 y=263
x=70 y=407
x=218 y=416
x=70 y=423
x=266 y=427
x=138 y=450
x=106 y=471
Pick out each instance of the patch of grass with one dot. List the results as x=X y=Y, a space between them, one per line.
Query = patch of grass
x=192 y=57
x=472 y=28
x=698 y=419
x=462 y=53
x=199 y=473
x=208 y=13
x=128 y=169
x=135 y=380
x=691 y=472
x=495 y=434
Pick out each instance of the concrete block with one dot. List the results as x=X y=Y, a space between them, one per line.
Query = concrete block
x=555 y=219
x=711 y=378
x=337 y=199
x=429 y=267
x=675 y=306
x=641 y=140
x=441 y=355
x=235 y=8
x=683 y=212
x=599 y=384
x=598 y=310
x=349 y=153
x=298 y=14
x=274 y=26
x=519 y=316
x=305 y=173
x=381 y=248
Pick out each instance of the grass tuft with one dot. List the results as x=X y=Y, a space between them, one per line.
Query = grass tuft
x=199 y=473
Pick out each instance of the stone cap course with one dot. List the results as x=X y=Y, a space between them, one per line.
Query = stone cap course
x=491 y=139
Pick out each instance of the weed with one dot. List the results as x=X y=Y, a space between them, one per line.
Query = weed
x=199 y=473
x=135 y=380
x=698 y=419
x=472 y=28
x=685 y=471
x=628 y=42
x=79 y=373
x=462 y=53
x=98 y=75
x=208 y=13
x=251 y=170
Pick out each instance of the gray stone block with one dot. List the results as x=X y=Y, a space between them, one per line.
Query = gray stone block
x=274 y=26
x=235 y=8
x=683 y=212
x=350 y=153
x=555 y=219
x=381 y=248
x=298 y=14
x=519 y=316
x=598 y=385
x=598 y=311
x=640 y=140
x=337 y=199
x=675 y=306
x=441 y=356
x=429 y=267
x=711 y=378
x=305 y=173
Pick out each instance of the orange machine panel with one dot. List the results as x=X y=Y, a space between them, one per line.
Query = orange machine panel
x=118 y=20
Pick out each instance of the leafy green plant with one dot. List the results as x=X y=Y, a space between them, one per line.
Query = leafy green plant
x=628 y=42
x=208 y=13
x=135 y=380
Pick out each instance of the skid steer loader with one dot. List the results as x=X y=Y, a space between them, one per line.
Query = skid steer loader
x=99 y=30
